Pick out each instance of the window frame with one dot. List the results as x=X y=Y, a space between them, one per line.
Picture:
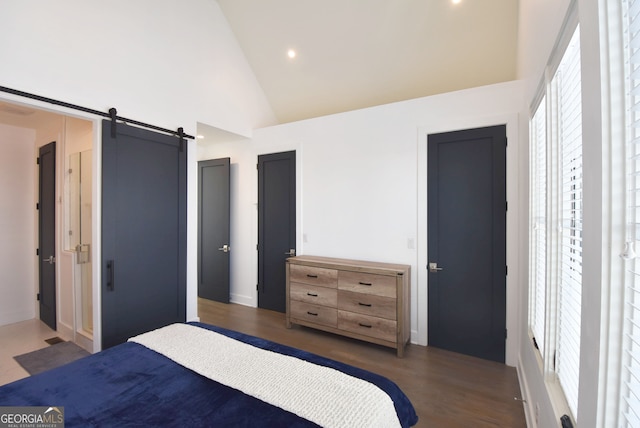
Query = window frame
x=547 y=352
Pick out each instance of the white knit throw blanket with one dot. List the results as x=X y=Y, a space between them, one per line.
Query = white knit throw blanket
x=320 y=394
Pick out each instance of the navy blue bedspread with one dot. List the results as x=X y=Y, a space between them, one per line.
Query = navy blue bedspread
x=130 y=385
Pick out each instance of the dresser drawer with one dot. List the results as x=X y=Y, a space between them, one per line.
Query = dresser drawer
x=367 y=325
x=313 y=275
x=369 y=283
x=367 y=304
x=312 y=294
x=314 y=313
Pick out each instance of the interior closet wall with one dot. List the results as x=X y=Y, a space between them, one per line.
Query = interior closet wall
x=19 y=223
x=17 y=227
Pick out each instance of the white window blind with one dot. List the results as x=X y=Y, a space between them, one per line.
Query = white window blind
x=537 y=297
x=630 y=373
x=566 y=85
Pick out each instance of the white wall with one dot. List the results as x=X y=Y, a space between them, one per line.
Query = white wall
x=155 y=61
x=19 y=220
x=538 y=28
x=78 y=136
x=39 y=131
x=360 y=186
x=540 y=25
x=17 y=246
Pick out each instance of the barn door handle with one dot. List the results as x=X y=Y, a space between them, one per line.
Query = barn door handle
x=225 y=248
x=51 y=260
x=291 y=252
x=110 y=275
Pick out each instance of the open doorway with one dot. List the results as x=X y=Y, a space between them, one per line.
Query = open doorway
x=23 y=131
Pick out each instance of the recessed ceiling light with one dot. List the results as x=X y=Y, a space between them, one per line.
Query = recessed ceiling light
x=199 y=137
x=456 y=1
x=291 y=53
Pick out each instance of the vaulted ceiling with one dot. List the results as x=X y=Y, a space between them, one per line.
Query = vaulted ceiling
x=352 y=54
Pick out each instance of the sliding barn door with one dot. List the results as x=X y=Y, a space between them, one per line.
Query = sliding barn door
x=144 y=177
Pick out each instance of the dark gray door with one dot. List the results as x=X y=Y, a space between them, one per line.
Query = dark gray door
x=47 y=233
x=213 y=229
x=467 y=241
x=276 y=226
x=143 y=232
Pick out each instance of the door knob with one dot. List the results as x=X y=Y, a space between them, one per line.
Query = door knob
x=433 y=267
x=51 y=260
x=291 y=252
x=225 y=248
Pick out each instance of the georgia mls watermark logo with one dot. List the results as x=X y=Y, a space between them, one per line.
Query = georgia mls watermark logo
x=32 y=417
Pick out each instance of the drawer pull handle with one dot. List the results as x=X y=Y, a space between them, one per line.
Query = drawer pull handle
x=365 y=283
x=312 y=313
x=368 y=305
x=364 y=325
x=312 y=276
x=312 y=295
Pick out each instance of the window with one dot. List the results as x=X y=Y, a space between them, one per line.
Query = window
x=566 y=84
x=556 y=222
x=537 y=292
x=629 y=412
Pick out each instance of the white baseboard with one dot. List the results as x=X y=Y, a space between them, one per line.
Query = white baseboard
x=529 y=411
x=84 y=342
x=65 y=331
x=14 y=317
x=242 y=300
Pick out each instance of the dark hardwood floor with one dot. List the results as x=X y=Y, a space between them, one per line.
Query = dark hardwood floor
x=446 y=389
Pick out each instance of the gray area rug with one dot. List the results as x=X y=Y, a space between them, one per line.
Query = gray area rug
x=50 y=357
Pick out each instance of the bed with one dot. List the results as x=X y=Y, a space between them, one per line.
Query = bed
x=195 y=374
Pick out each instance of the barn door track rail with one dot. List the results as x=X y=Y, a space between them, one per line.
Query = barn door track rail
x=112 y=114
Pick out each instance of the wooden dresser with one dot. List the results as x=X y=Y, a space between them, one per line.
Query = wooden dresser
x=363 y=300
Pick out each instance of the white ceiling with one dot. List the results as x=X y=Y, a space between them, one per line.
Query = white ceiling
x=26 y=117
x=353 y=54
